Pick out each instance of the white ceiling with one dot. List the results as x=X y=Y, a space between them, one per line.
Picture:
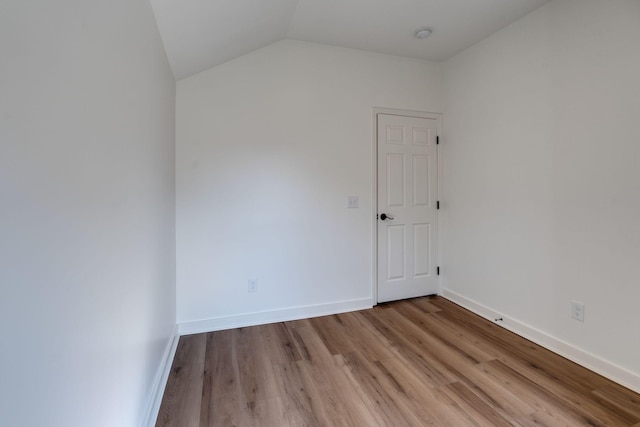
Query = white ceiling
x=199 y=34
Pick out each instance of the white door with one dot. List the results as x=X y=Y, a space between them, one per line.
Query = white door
x=407 y=206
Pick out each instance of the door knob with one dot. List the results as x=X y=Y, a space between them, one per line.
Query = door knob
x=385 y=216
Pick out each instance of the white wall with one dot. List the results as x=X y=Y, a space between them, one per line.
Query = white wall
x=269 y=146
x=87 y=211
x=541 y=177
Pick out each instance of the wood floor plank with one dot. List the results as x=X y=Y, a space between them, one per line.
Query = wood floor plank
x=576 y=407
x=255 y=368
x=413 y=358
x=269 y=412
x=443 y=350
x=374 y=389
x=512 y=384
x=341 y=404
x=473 y=405
x=548 y=405
x=182 y=397
x=496 y=394
x=302 y=403
x=365 y=337
x=420 y=362
x=580 y=402
x=453 y=337
x=544 y=419
x=624 y=399
x=419 y=395
x=321 y=372
x=446 y=359
x=331 y=331
x=311 y=347
x=221 y=403
x=577 y=377
x=278 y=343
x=190 y=350
x=425 y=304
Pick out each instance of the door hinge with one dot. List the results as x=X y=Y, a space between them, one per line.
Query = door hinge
x=438 y=204
x=438 y=270
x=437 y=140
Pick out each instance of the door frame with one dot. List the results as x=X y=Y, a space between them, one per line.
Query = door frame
x=374 y=231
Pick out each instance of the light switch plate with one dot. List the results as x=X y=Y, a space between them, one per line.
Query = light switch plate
x=352 y=202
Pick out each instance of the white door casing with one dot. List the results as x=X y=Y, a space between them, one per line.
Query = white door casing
x=407 y=157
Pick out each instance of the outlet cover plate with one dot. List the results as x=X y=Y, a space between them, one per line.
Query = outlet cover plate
x=577 y=310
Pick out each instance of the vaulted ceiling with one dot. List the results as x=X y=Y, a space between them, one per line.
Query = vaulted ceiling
x=200 y=34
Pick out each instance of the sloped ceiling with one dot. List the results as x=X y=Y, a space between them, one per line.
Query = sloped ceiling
x=200 y=34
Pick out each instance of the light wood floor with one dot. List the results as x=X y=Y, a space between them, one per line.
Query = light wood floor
x=418 y=362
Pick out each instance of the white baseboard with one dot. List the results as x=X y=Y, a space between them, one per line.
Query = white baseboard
x=273 y=316
x=564 y=349
x=160 y=381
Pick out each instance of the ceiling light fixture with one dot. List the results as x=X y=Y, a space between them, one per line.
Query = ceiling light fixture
x=423 y=32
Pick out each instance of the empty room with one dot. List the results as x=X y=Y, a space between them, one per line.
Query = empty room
x=319 y=213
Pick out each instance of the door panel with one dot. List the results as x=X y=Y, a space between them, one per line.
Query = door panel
x=421 y=240
x=395 y=252
x=421 y=168
x=395 y=180
x=407 y=193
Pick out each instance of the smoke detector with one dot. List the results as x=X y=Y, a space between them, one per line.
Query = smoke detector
x=423 y=32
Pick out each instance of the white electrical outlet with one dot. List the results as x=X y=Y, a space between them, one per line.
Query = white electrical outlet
x=577 y=310
x=352 y=202
x=253 y=285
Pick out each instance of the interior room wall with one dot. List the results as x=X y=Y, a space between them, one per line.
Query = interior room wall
x=87 y=265
x=269 y=147
x=541 y=179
